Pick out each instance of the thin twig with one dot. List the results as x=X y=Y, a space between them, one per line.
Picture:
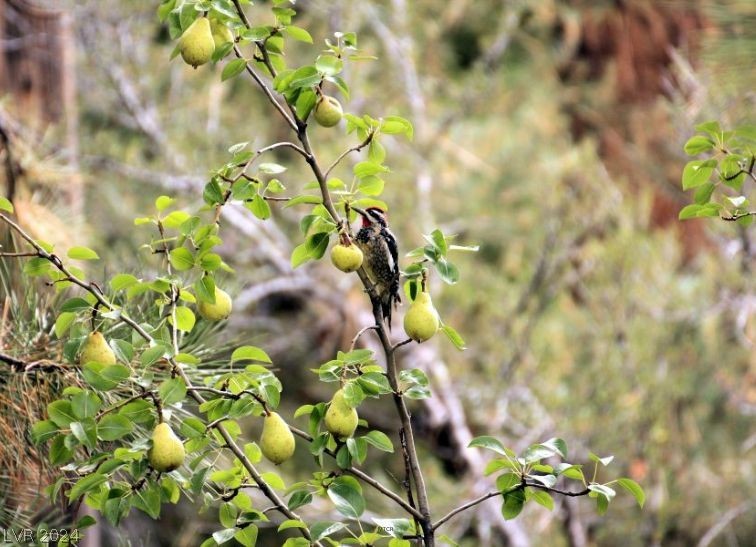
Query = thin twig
x=344 y=154
x=360 y=333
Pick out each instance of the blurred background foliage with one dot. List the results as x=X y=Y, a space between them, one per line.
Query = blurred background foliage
x=550 y=133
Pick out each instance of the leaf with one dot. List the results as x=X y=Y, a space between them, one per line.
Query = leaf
x=507 y=481
x=329 y=65
x=271 y=168
x=88 y=483
x=63 y=322
x=368 y=168
x=379 y=440
x=247 y=536
x=299 y=498
x=604 y=461
x=181 y=258
x=540 y=497
x=122 y=281
x=371 y=186
x=695 y=210
x=113 y=426
x=489 y=443
x=298 y=33
x=346 y=494
x=184 y=319
x=449 y=272
x=60 y=413
x=233 y=68
x=85 y=404
x=299 y=255
x=75 y=304
x=454 y=337
x=82 y=253
x=697 y=172
x=259 y=207
x=634 y=488
x=320 y=530
x=698 y=144
x=104 y=377
x=43 y=431
x=513 y=503
x=250 y=353
x=5 y=205
x=172 y=391
x=163 y=202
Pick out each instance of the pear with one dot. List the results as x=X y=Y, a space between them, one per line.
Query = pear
x=277 y=441
x=347 y=258
x=96 y=349
x=197 y=44
x=218 y=311
x=421 y=321
x=221 y=33
x=340 y=418
x=328 y=111
x=167 y=452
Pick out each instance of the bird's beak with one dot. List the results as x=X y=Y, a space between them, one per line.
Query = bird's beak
x=358 y=210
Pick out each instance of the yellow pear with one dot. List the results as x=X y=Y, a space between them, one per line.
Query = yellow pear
x=218 y=311
x=347 y=258
x=167 y=452
x=221 y=33
x=277 y=441
x=421 y=321
x=328 y=111
x=340 y=418
x=197 y=44
x=96 y=349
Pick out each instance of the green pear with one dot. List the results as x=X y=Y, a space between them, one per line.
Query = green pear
x=328 y=111
x=197 y=44
x=347 y=258
x=221 y=33
x=277 y=441
x=167 y=452
x=421 y=321
x=340 y=418
x=96 y=349
x=218 y=311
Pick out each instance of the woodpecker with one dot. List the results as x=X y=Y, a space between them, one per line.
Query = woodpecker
x=378 y=244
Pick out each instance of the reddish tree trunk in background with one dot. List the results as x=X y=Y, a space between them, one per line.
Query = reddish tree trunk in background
x=628 y=46
x=37 y=71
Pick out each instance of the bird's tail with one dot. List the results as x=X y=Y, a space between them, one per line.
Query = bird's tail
x=389 y=300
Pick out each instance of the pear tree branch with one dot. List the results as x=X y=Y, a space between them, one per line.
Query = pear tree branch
x=92 y=289
x=391 y=366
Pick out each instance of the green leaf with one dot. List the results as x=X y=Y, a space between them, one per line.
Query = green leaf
x=695 y=210
x=43 y=431
x=153 y=354
x=371 y=186
x=184 y=319
x=449 y=272
x=75 y=304
x=454 y=337
x=697 y=172
x=507 y=481
x=63 y=322
x=233 y=68
x=634 y=488
x=5 y=205
x=172 y=391
x=82 y=253
x=247 y=536
x=104 y=377
x=368 y=168
x=298 y=33
x=85 y=404
x=271 y=168
x=540 y=497
x=163 y=202
x=61 y=413
x=299 y=498
x=602 y=490
x=250 y=353
x=299 y=255
x=86 y=484
x=122 y=281
x=379 y=440
x=397 y=125
x=259 y=207
x=329 y=65
x=513 y=503
x=698 y=144
x=181 y=258
x=113 y=426
x=489 y=443
x=346 y=494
